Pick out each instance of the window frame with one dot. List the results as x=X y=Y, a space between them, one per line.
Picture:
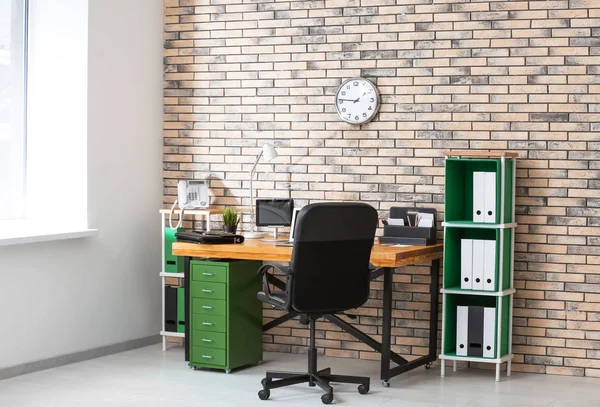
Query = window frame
x=19 y=210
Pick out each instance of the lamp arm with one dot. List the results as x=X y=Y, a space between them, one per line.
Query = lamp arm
x=255 y=164
x=252 y=220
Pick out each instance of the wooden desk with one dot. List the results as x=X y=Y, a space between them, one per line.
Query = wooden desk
x=255 y=249
x=386 y=258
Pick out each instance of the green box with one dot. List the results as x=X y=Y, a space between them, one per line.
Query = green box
x=173 y=264
x=459 y=188
x=225 y=315
x=181 y=310
x=454 y=300
x=452 y=254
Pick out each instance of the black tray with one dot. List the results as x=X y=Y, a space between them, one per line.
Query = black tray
x=409 y=235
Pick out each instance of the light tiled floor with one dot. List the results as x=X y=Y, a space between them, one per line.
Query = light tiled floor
x=148 y=377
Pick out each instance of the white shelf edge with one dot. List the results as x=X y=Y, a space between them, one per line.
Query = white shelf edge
x=177 y=275
x=176 y=334
x=502 y=293
x=503 y=359
x=480 y=225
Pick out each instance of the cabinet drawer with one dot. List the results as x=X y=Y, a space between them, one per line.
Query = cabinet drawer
x=208 y=356
x=212 y=323
x=208 y=306
x=207 y=339
x=201 y=289
x=210 y=273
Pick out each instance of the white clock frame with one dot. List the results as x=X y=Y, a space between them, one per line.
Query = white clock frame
x=377 y=100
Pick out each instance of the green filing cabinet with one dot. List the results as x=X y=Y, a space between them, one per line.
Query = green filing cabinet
x=225 y=316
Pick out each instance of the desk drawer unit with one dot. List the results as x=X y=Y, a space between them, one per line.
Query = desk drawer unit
x=225 y=330
x=206 y=339
x=212 y=323
x=209 y=273
x=202 y=289
x=211 y=357
x=208 y=307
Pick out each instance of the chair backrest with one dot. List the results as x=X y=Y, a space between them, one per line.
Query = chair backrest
x=330 y=259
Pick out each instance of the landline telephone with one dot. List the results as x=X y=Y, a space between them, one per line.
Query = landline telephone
x=191 y=194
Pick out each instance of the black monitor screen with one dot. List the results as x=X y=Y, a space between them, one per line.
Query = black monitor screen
x=274 y=212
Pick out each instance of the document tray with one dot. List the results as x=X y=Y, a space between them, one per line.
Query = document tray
x=409 y=235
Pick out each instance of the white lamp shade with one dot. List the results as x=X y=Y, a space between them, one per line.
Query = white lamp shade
x=269 y=152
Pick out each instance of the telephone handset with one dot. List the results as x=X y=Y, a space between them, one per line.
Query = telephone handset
x=190 y=195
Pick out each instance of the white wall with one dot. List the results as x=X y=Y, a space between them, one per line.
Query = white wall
x=58 y=298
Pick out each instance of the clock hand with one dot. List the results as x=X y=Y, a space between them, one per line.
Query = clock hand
x=357 y=99
x=347 y=100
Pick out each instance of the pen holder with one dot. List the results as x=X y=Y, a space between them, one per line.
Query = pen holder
x=409 y=235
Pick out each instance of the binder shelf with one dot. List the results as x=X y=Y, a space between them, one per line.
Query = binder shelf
x=479 y=233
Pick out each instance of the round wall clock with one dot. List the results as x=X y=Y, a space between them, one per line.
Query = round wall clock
x=357 y=101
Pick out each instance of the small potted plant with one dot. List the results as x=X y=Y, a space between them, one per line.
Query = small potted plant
x=231 y=219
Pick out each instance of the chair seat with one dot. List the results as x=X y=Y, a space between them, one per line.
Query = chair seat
x=277 y=299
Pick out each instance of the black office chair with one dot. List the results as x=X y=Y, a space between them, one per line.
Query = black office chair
x=328 y=274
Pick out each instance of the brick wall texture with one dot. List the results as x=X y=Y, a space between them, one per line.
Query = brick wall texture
x=511 y=75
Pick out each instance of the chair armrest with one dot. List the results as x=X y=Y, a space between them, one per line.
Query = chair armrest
x=264 y=272
x=283 y=269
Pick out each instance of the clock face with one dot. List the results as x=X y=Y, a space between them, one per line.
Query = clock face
x=357 y=101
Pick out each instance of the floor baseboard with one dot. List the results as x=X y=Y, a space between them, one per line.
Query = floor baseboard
x=49 y=363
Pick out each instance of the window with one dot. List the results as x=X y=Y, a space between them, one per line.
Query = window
x=43 y=119
x=13 y=47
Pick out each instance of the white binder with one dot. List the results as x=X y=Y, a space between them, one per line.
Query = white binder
x=478 y=196
x=466 y=264
x=489 y=332
x=478 y=248
x=462 y=330
x=489 y=214
x=489 y=265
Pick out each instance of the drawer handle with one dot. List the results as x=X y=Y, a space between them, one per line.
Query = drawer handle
x=207 y=291
x=207 y=323
x=206 y=340
x=207 y=307
x=208 y=274
x=207 y=357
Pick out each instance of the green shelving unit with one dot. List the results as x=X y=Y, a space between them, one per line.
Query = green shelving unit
x=499 y=227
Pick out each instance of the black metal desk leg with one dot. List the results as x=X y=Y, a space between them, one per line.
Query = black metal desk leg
x=386 y=340
x=433 y=312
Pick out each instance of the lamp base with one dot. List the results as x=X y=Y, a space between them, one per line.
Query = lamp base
x=253 y=235
x=270 y=239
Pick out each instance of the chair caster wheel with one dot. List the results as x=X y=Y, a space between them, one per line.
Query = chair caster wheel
x=363 y=388
x=428 y=366
x=265 y=381
x=327 y=398
x=264 y=394
x=385 y=383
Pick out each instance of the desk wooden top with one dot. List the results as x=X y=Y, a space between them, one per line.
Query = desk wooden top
x=255 y=249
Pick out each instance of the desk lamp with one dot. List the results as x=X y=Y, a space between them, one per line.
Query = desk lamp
x=269 y=153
